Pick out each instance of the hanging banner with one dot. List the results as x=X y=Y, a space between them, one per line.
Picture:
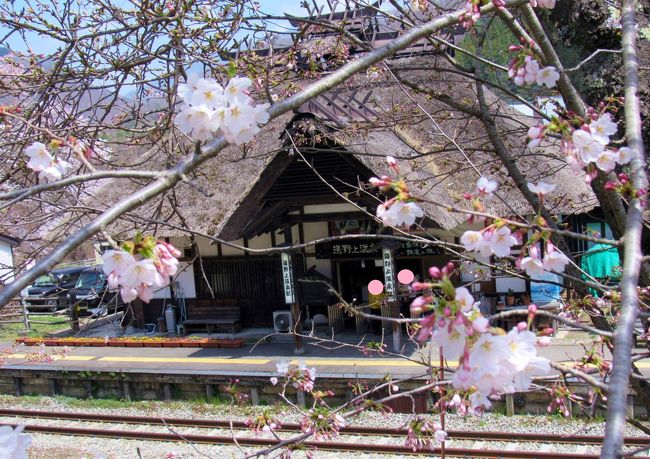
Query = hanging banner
x=287 y=279
x=389 y=274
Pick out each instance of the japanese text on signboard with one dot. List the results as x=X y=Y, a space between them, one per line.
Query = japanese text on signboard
x=287 y=279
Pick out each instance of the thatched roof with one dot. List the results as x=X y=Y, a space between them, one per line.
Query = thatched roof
x=379 y=120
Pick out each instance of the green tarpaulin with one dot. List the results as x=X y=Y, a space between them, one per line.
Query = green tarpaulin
x=602 y=261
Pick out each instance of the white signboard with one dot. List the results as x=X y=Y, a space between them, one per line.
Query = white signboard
x=389 y=274
x=287 y=279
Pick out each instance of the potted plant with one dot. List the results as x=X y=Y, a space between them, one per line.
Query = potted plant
x=210 y=343
x=510 y=298
x=193 y=341
x=172 y=342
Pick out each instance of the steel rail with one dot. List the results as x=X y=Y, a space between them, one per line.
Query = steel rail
x=349 y=430
x=322 y=445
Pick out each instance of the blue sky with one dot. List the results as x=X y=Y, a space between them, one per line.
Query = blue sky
x=47 y=45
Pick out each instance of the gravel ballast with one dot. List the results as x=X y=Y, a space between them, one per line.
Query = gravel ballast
x=56 y=446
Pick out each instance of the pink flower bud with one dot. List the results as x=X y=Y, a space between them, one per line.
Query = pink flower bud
x=610 y=186
x=522 y=326
x=434 y=272
x=532 y=309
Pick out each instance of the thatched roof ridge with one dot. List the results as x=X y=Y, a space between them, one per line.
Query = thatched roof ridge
x=437 y=169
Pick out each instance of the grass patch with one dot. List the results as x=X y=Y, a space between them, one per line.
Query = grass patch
x=50 y=325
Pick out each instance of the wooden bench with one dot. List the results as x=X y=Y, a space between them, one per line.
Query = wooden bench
x=211 y=314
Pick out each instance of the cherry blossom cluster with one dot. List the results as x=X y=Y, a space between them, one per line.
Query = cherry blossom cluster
x=535 y=265
x=524 y=69
x=208 y=107
x=300 y=377
x=624 y=187
x=49 y=167
x=13 y=442
x=140 y=266
x=373 y=347
x=232 y=389
x=322 y=423
x=585 y=141
x=401 y=209
x=560 y=400
x=423 y=433
x=490 y=361
x=263 y=423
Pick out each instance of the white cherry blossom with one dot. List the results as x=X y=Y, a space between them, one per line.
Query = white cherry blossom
x=501 y=241
x=117 y=261
x=602 y=128
x=472 y=240
x=451 y=338
x=625 y=155
x=40 y=157
x=399 y=213
x=547 y=76
x=606 y=160
x=464 y=299
x=209 y=93
x=143 y=272
x=532 y=264
x=186 y=90
x=235 y=89
x=541 y=187
x=485 y=186
x=554 y=259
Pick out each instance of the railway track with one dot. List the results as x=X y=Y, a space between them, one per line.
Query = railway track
x=456 y=444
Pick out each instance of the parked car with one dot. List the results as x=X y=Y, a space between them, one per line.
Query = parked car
x=50 y=292
x=91 y=293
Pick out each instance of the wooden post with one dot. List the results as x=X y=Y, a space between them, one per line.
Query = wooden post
x=74 y=317
x=255 y=396
x=138 y=313
x=209 y=392
x=25 y=315
x=389 y=288
x=510 y=405
x=290 y=293
x=127 y=391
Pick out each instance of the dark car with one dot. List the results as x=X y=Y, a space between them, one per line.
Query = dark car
x=92 y=292
x=50 y=292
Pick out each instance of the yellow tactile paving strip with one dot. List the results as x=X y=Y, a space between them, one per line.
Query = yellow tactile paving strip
x=322 y=361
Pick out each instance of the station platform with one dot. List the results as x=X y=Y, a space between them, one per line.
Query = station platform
x=254 y=360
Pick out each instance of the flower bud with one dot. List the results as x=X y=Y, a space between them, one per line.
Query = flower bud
x=434 y=272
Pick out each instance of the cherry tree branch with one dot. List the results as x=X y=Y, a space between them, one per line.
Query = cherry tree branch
x=623 y=338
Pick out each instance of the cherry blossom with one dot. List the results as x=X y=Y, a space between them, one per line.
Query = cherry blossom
x=501 y=242
x=554 y=259
x=541 y=188
x=602 y=128
x=14 y=443
x=606 y=160
x=48 y=167
x=399 y=213
x=209 y=93
x=209 y=108
x=625 y=155
x=547 y=76
x=532 y=264
x=472 y=240
x=485 y=186
x=40 y=157
x=464 y=299
x=535 y=134
x=451 y=337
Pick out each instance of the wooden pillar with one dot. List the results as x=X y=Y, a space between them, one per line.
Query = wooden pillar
x=127 y=390
x=209 y=392
x=138 y=313
x=167 y=392
x=74 y=317
x=255 y=396
x=290 y=292
x=389 y=287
